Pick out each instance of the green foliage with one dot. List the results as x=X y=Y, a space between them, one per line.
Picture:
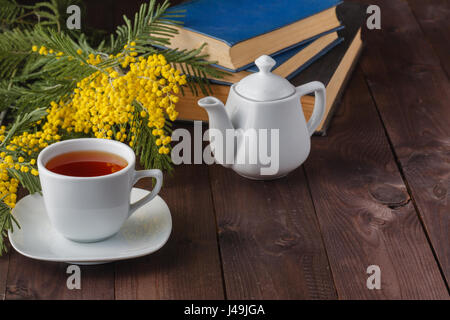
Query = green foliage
x=37 y=79
x=26 y=179
x=15 y=54
x=50 y=13
x=10 y=12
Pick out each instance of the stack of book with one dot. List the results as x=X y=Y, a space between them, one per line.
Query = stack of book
x=309 y=40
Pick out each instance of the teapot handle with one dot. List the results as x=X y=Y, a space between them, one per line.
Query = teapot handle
x=319 y=105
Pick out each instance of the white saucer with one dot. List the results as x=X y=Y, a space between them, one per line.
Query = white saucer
x=146 y=231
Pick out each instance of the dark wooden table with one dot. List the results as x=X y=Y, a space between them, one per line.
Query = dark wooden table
x=375 y=191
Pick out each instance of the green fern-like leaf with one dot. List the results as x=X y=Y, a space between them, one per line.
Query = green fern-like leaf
x=152 y=25
x=10 y=13
x=7 y=222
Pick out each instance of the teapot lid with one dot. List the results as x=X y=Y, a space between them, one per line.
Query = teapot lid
x=264 y=85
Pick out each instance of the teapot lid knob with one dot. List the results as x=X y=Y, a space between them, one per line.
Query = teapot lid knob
x=265 y=63
x=264 y=85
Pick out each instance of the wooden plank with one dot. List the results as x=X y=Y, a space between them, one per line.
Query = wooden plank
x=433 y=17
x=33 y=279
x=364 y=209
x=188 y=266
x=412 y=94
x=269 y=238
x=4 y=266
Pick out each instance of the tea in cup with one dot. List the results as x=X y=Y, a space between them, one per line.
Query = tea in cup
x=86 y=184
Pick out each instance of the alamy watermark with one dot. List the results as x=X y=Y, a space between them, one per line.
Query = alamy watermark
x=228 y=147
x=74 y=20
x=374 y=20
x=74 y=280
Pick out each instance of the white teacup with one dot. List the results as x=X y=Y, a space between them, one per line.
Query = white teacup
x=89 y=209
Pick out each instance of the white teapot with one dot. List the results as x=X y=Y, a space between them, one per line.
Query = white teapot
x=262 y=132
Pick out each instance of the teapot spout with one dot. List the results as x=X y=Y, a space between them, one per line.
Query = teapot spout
x=219 y=123
x=218 y=118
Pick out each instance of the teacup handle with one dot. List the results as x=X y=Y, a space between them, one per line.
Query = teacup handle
x=138 y=175
x=319 y=105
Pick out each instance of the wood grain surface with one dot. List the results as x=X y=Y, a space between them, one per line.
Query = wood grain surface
x=188 y=266
x=364 y=209
x=269 y=238
x=433 y=17
x=412 y=94
x=4 y=266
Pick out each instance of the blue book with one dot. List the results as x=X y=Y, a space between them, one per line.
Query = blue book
x=239 y=31
x=291 y=62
